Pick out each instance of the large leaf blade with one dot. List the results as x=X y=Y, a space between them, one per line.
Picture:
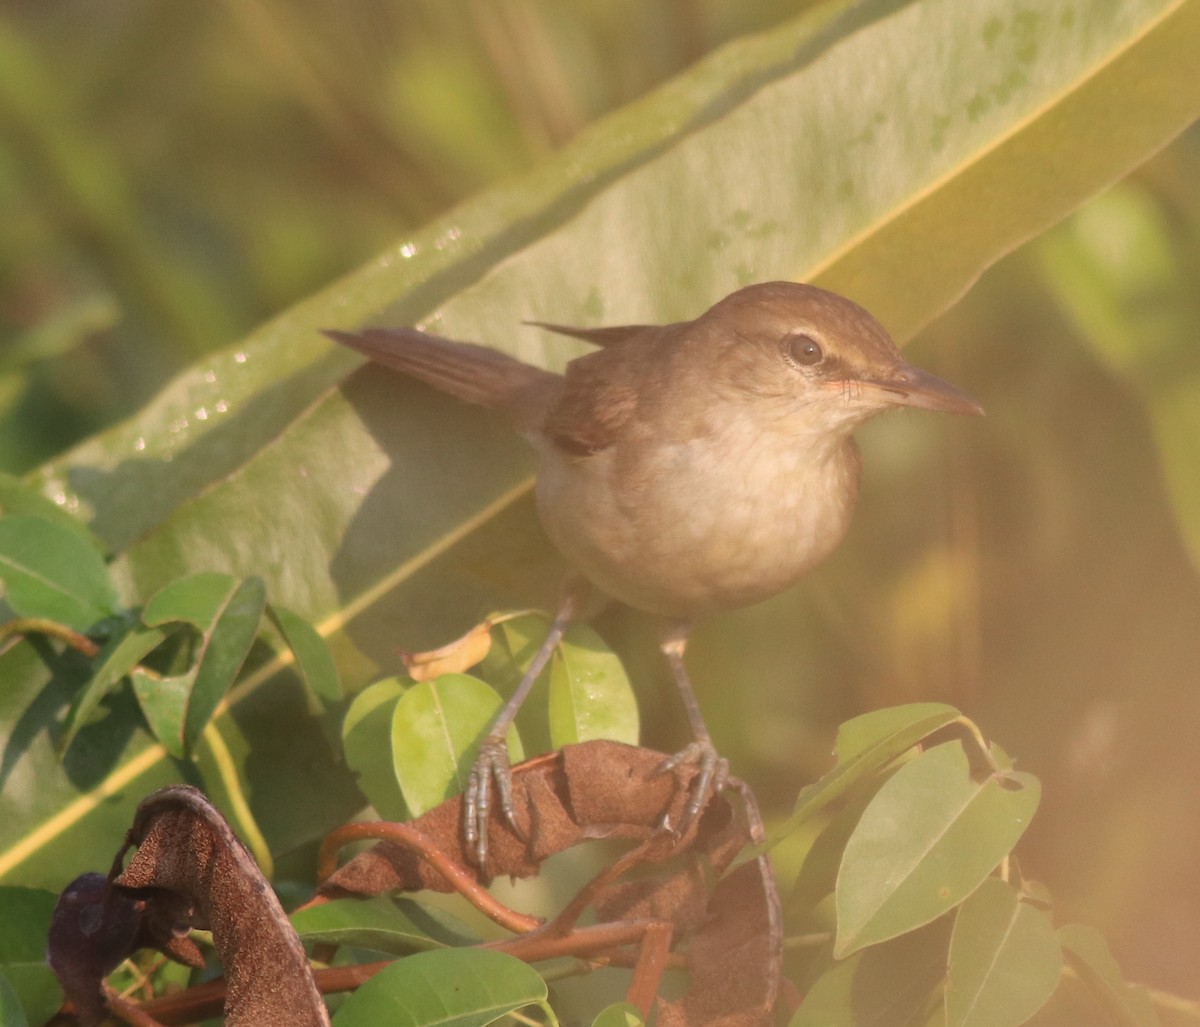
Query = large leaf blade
x=702 y=168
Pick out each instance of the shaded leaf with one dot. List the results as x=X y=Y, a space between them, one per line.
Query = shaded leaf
x=51 y=571
x=227 y=613
x=884 y=986
x=120 y=655
x=1088 y=953
x=11 y=1013
x=622 y=1014
x=453 y=987
x=397 y=926
x=367 y=742
x=17 y=497
x=590 y=694
x=313 y=658
x=1004 y=960
x=164 y=701
x=436 y=730
x=25 y=915
x=926 y=841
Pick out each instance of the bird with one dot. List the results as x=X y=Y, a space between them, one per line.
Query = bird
x=683 y=469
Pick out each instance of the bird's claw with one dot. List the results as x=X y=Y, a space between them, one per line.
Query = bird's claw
x=712 y=772
x=491 y=765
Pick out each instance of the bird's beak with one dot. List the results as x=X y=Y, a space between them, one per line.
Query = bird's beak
x=908 y=386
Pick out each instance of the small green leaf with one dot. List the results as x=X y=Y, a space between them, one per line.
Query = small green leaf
x=590 y=694
x=864 y=745
x=926 y=841
x=120 y=655
x=164 y=704
x=367 y=742
x=313 y=658
x=436 y=729
x=24 y=926
x=622 y=1014
x=194 y=599
x=52 y=571
x=449 y=988
x=1088 y=953
x=885 y=986
x=397 y=926
x=894 y=728
x=1005 y=961
x=225 y=650
x=227 y=613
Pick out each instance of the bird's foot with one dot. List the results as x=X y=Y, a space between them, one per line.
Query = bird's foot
x=712 y=772
x=491 y=765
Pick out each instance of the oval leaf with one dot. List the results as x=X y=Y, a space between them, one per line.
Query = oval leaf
x=590 y=694
x=50 y=571
x=367 y=742
x=622 y=1014
x=1005 y=961
x=396 y=926
x=450 y=988
x=436 y=729
x=926 y=841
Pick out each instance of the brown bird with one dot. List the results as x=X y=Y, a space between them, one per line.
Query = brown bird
x=685 y=468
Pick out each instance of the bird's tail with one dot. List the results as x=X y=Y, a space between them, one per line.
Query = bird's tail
x=473 y=373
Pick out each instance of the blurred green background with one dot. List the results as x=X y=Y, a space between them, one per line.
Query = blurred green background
x=173 y=174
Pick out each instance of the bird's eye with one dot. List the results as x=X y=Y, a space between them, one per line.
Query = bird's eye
x=803 y=350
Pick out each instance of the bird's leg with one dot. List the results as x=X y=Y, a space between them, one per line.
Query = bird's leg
x=491 y=764
x=713 y=770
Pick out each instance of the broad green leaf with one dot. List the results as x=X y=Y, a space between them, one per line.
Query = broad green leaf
x=11 y=1013
x=24 y=925
x=436 y=729
x=885 y=986
x=397 y=926
x=590 y=694
x=450 y=988
x=50 y=571
x=1004 y=960
x=367 y=742
x=119 y=656
x=818 y=872
x=622 y=1014
x=18 y=497
x=1088 y=953
x=927 y=840
x=830 y=155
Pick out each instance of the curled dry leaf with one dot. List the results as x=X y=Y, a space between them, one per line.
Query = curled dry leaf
x=605 y=789
x=453 y=657
x=189 y=870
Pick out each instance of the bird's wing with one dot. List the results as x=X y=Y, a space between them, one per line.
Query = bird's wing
x=609 y=336
x=594 y=404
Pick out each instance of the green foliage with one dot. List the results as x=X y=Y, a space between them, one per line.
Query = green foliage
x=820 y=149
x=463 y=988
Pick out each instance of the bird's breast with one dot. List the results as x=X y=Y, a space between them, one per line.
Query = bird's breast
x=718 y=521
